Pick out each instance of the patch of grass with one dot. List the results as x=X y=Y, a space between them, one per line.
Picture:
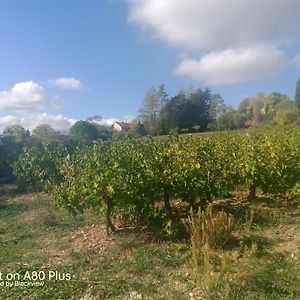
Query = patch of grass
x=36 y=236
x=250 y=277
x=262 y=242
x=274 y=278
x=148 y=262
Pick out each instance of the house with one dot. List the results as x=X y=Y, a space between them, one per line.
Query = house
x=121 y=126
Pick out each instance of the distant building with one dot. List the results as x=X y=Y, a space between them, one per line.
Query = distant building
x=121 y=126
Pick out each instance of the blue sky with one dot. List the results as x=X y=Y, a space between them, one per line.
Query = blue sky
x=64 y=60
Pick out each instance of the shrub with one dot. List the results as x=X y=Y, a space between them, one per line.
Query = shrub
x=209 y=230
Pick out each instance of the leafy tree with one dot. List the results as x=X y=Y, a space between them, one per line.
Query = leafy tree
x=230 y=119
x=276 y=101
x=12 y=141
x=251 y=106
x=170 y=115
x=46 y=133
x=187 y=111
x=38 y=166
x=216 y=106
x=255 y=119
x=216 y=109
x=137 y=129
x=286 y=116
x=84 y=132
x=94 y=118
x=17 y=132
x=103 y=132
x=262 y=108
x=10 y=150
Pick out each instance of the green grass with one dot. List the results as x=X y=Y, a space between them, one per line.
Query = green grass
x=259 y=263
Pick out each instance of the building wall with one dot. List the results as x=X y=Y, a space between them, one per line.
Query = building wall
x=117 y=127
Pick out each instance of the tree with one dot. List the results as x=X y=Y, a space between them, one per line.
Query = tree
x=262 y=108
x=255 y=119
x=162 y=95
x=17 y=132
x=96 y=118
x=12 y=142
x=150 y=105
x=216 y=109
x=84 y=132
x=153 y=102
x=10 y=150
x=171 y=116
x=230 y=119
x=137 y=129
x=103 y=132
x=46 y=133
x=251 y=106
x=297 y=95
x=187 y=111
x=274 y=102
x=286 y=116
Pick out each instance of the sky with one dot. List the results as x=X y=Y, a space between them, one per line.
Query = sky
x=66 y=60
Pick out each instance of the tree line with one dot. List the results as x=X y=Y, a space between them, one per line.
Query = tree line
x=190 y=110
x=198 y=110
x=15 y=139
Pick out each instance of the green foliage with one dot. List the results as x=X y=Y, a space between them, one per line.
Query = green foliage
x=263 y=108
x=46 y=133
x=137 y=129
x=12 y=140
x=286 y=116
x=17 y=132
x=103 y=132
x=83 y=131
x=270 y=161
x=38 y=166
x=197 y=110
x=265 y=266
x=139 y=178
x=186 y=111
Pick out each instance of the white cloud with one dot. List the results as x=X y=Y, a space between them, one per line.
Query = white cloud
x=215 y=24
x=225 y=34
x=31 y=120
x=106 y=122
x=67 y=83
x=110 y=121
x=235 y=65
x=8 y=120
x=26 y=103
x=24 y=96
x=58 y=122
